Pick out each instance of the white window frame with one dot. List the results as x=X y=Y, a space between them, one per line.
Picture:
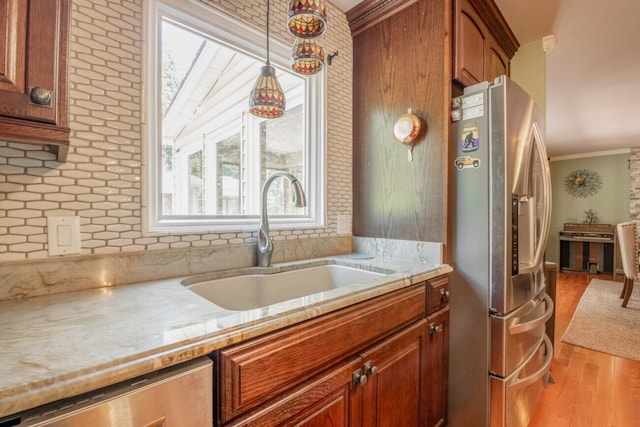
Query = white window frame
x=225 y=29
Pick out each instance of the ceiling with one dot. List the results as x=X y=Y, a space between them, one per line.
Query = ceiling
x=593 y=74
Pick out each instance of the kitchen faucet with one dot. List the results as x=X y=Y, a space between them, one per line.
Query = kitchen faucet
x=265 y=245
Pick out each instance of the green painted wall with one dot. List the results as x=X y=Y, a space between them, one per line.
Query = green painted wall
x=529 y=70
x=611 y=202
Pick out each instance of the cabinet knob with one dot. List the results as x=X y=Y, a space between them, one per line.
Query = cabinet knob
x=444 y=295
x=358 y=378
x=370 y=368
x=434 y=329
x=41 y=96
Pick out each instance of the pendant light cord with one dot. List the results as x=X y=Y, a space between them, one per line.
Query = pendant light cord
x=268 y=63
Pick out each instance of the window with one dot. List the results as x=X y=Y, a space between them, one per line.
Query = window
x=208 y=157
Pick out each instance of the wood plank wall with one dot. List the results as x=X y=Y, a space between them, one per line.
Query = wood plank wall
x=402 y=59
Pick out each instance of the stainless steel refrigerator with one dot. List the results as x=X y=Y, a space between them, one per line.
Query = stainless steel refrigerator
x=499 y=353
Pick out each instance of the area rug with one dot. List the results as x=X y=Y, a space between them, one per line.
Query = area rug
x=600 y=323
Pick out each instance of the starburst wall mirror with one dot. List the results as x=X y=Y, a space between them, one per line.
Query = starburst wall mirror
x=583 y=183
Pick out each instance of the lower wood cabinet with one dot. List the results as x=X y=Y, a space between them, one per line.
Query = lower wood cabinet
x=438 y=368
x=396 y=391
x=380 y=363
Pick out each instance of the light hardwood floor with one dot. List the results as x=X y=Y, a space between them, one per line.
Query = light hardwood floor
x=591 y=388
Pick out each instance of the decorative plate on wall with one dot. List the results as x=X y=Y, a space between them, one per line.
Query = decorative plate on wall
x=583 y=183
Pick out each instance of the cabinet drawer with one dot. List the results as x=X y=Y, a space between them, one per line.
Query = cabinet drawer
x=257 y=370
x=323 y=400
x=438 y=293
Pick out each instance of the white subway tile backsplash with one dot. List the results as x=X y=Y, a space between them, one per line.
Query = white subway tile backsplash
x=11 y=152
x=9 y=239
x=101 y=180
x=27 y=230
x=91 y=198
x=119 y=242
x=6 y=169
x=40 y=237
x=6 y=255
x=11 y=222
x=42 y=188
x=25 y=213
x=16 y=193
x=37 y=222
x=20 y=179
x=26 y=247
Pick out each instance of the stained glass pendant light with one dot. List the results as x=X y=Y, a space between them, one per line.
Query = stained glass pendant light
x=307 y=18
x=267 y=98
x=308 y=56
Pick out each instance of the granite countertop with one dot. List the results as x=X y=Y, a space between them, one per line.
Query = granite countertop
x=61 y=345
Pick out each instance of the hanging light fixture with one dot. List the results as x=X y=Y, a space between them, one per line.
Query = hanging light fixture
x=307 y=18
x=267 y=98
x=308 y=56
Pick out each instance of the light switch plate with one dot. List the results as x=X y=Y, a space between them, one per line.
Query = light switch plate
x=344 y=224
x=63 y=235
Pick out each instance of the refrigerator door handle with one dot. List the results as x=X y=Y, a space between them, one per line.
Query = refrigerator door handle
x=538 y=259
x=527 y=326
x=524 y=382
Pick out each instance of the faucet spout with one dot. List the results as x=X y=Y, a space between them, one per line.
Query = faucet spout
x=265 y=244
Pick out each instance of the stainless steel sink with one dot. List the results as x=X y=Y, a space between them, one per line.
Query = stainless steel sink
x=252 y=291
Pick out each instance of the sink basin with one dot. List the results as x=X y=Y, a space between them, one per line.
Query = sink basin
x=252 y=291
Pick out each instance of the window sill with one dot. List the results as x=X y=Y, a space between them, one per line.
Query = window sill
x=183 y=226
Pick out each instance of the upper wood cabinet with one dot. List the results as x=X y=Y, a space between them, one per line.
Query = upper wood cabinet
x=497 y=61
x=401 y=60
x=34 y=73
x=483 y=42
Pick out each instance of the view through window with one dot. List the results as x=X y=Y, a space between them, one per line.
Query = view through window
x=215 y=156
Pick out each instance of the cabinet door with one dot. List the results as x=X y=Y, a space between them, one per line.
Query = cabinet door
x=477 y=54
x=34 y=49
x=329 y=399
x=438 y=363
x=396 y=391
x=13 y=42
x=469 y=45
x=30 y=63
x=496 y=60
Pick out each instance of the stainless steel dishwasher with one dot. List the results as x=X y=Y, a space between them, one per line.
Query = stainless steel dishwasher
x=180 y=396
